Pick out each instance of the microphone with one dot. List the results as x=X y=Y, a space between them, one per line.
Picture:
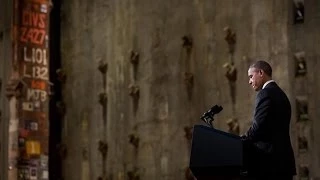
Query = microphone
x=207 y=117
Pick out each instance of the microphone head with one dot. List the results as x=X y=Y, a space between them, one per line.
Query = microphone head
x=215 y=109
x=211 y=112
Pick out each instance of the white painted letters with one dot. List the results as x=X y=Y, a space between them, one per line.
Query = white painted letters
x=36 y=95
x=37 y=56
x=35 y=72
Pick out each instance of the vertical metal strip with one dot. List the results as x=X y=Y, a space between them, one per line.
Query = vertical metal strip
x=5 y=57
x=29 y=122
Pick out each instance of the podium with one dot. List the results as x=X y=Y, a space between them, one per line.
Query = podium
x=216 y=154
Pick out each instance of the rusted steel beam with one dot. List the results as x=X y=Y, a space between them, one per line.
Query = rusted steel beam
x=29 y=121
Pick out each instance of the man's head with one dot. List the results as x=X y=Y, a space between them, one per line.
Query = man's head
x=259 y=73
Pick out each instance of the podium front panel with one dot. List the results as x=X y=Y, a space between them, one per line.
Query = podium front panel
x=214 y=152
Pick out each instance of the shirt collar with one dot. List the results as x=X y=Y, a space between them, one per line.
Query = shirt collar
x=266 y=83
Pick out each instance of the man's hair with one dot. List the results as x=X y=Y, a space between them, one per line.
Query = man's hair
x=262 y=65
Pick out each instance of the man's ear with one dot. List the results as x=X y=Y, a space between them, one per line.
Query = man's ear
x=261 y=72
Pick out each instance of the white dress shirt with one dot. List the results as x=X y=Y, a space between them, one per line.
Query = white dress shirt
x=266 y=83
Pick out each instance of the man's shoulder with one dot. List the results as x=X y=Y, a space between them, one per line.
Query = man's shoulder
x=263 y=92
x=262 y=95
x=272 y=91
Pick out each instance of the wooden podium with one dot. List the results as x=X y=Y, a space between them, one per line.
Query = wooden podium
x=216 y=155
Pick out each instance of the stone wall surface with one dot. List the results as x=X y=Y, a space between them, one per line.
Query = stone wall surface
x=165 y=68
x=139 y=74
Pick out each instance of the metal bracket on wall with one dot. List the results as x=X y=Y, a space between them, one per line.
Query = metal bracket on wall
x=62 y=149
x=103 y=66
x=304 y=172
x=134 y=91
x=302 y=109
x=230 y=38
x=134 y=57
x=103 y=149
x=188 y=79
x=231 y=72
x=188 y=132
x=61 y=75
x=233 y=126
x=102 y=177
x=134 y=140
x=61 y=107
x=300 y=62
x=50 y=91
x=103 y=98
x=298 y=11
x=302 y=144
x=134 y=174
x=187 y=43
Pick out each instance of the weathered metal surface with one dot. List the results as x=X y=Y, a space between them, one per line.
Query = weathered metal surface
x=5 y=69
x=28 y=91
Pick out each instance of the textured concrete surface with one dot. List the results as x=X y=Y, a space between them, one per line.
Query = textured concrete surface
x=304 y=38
x=146 y=134
x=110 y=30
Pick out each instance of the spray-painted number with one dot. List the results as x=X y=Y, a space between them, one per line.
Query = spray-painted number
x=35 y=72
x=36 y=95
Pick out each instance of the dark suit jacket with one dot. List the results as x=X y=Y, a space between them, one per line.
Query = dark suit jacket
x=269 y=134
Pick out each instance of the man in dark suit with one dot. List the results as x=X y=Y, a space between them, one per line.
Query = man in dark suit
x=271 y=156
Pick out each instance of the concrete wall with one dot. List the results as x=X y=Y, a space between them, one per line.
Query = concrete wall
x=304 y=38
x=108 y=31
x=146 y=134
